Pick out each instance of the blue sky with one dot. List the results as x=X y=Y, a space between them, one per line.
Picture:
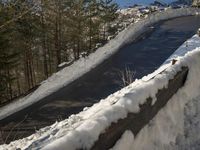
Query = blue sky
x=124 y=3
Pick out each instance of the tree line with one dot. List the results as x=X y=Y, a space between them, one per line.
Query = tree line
x=38 y=35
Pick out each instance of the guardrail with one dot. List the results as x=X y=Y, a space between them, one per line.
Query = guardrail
x=136 y=121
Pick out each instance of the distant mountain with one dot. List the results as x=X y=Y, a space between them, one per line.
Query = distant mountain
x=186 y=1
x=159 y=3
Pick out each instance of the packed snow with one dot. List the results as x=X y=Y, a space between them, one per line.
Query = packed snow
x=84 y=65
x=191 y=137
x=82 y=130
x=177 y=125
x=126 y=141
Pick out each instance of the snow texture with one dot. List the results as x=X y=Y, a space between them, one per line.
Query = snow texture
x=126 y=141
x=84 y=65
x=175 y=125
x=187 y=46
x=82 y=130
x=191 y=137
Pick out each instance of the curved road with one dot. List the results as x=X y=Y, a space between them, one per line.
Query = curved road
x=142 y=57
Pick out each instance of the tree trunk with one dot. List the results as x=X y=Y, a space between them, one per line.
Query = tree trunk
x=44 y=48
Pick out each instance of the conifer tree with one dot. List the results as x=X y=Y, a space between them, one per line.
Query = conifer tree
x=108 y=9
x=93 y=23
x=37 y=35
x=8 y=57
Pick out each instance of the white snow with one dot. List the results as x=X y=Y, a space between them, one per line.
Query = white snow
x=187 y=46
x=191 y=137
x=84 y=65
x=83 y=129
x=64 y=63
x=177 y=126
x=167 y=129
x=126 y=141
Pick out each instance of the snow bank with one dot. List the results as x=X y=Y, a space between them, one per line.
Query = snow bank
x=177 y=126
x=83 y=129
x=167 y=127
x=126 y=141
x=191 y=137
x=84 y=65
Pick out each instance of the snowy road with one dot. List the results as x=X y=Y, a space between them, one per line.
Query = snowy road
x=143 y=57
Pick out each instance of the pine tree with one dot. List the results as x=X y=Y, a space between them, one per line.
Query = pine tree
x=37 y=35
x=26 y=30
x=93 y=23
x=108 y=14
x=8 y=57
x=8 y=61
x=3 y=76
x=77 y=26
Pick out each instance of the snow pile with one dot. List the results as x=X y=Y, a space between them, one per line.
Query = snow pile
x=177 y=125
x=126 y=141
x=169 y=129
x=191 y=137
x=83 y=129
x=84 y=65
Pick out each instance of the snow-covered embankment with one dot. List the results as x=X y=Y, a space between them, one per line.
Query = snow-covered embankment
x=83 y=130
x=84 y=65
x=177 y=125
